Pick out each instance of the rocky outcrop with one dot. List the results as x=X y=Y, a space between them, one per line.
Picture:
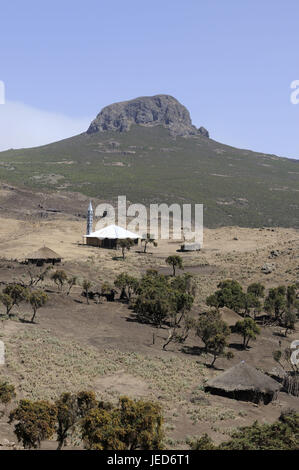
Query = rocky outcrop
x=203 y=131
x=147 y=111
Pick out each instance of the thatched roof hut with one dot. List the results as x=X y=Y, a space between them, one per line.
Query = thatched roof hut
x=244 y=382
x=43 y=255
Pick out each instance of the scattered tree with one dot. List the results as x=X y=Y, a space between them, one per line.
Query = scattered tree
x=257 y=289
x=125 y=244
x=70 y=409
x=253 y=297
x=148 y=240
x=176 y=262
x=248 y=329
x=281 y=435
x=178 y=334
x=108 y=292
x=127 y=284
x=229 y=294
x=12 y=295
x=204 y=443
x=214 y=333
x=288 y=321
x=35 y=422
x=275 y=302
x=7 y=392
x=37 y=300
x=86 y=287
x=132 y=425
x=7 y=301
x=158 y=300
x=72 y=281
x=184 y=283
x=37 y=275
x=60 y=278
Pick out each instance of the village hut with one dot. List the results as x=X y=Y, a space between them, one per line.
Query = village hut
x=43 y=255
x=109 y=236
x=244 y=382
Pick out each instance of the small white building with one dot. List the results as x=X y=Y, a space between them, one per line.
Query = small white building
x=108 y=236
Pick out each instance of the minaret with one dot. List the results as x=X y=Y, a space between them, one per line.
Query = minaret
x=89 y=219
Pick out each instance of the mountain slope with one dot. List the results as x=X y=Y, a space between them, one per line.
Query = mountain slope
x=152 y=162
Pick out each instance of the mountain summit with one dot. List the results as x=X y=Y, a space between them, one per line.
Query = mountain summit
x=147 y=111
x=149 y=150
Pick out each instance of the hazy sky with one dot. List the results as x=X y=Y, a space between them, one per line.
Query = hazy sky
x=230 y=62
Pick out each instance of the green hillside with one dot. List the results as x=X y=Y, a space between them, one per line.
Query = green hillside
x=237 y=187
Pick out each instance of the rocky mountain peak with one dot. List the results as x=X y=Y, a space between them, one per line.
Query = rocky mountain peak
x=148 y=111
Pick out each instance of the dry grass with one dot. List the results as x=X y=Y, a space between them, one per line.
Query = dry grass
x=44 y=366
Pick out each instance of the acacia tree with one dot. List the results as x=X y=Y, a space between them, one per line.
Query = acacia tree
x=132 y=425
x=281 y=304
x=214 y=333
x=229 y=294
x=281 y=435
x=35 y=422
x=257 y=289
x=108 y=292
x=255 y=292
x=37 y=275
x=37 y=300
x=248 y=329
x=148 y=240
x=128 y=285
x=288 y=321
x=125 y=244
x=59 y=277
x=72 y=281
x=70 y=409
x=176 y=262
x=291 y=296
x=86 y=286
x=7 y=392
x=178 y=333
x=7 y=301
x=12 y=295
x=276 y=303
x=184 y=283
x=160 y=299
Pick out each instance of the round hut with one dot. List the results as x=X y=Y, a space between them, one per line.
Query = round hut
x=244 y=382
x=43 y=255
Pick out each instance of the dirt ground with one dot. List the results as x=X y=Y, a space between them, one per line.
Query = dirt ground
x=75 y=346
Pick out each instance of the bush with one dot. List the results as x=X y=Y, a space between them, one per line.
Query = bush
x=248 y=329
x=132 y=425
x=7 y=392
x=229 y=294
x=35 y=422
x=281 y=435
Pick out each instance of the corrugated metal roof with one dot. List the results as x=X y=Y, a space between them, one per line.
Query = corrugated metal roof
x=113 y=232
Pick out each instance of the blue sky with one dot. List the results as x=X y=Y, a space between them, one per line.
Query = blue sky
x=230 y=62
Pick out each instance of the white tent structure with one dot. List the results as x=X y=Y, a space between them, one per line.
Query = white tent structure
x=108 y=236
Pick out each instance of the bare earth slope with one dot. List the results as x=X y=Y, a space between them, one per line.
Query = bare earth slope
x=75 y=346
